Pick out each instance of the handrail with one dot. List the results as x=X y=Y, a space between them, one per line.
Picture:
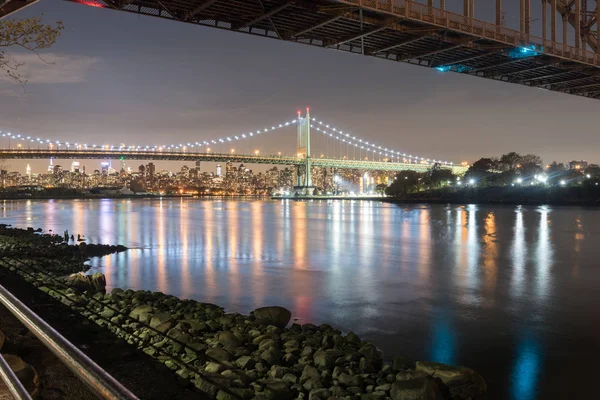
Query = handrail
x=15 y=387
x=103 y=385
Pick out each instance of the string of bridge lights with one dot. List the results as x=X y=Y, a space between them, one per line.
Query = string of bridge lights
x=183 y=146
x=320 y=126
x=362 y=144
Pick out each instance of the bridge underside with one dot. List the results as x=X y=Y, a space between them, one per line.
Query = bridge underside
x=395 y=30
x=28 y=154
x=8 y=7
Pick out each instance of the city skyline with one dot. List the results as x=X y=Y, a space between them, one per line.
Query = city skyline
x=148 y=80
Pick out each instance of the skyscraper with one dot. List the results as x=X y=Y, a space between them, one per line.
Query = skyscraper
x=51 y=166
x=75 y=166
x=218 y=169
x=28 y=171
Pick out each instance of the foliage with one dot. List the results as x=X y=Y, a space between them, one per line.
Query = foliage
x=29 y=34
x=403 y=183
x=381 y=188
x=439 y=177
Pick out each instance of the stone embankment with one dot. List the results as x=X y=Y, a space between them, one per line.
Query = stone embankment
x=231 y=356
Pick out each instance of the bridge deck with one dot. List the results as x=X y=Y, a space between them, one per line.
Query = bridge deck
x=27 y=154
x=398 y=30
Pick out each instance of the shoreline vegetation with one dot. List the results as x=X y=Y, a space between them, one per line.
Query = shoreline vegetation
x=227 y=355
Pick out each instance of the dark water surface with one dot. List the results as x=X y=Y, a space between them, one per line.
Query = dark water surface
x=513 y=292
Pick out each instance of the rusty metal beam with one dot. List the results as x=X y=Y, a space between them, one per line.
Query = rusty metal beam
x=539 y=78
x=200 y=7
x=317 y=26
x=533 y=68
x=431 y=52
x=404 y=42
x=500 y=64
x=358 y=36
x=267 y=14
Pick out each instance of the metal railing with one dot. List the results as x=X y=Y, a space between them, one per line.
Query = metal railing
x=103 y=385
x=412 y=10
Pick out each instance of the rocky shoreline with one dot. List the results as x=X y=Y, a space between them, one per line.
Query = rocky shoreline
x=231 y=355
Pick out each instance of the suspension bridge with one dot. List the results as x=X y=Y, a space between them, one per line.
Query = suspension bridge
x=344 y=151
x=564 y=55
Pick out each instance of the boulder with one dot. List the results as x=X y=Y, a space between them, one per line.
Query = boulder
x=463 y=382
x=228 y=339
x=95 y=283
x=162 y=322
x=136 y=312
x=275 y=315
x=324 y=360
x=350 y=380
x=278 y=390
x=218 y=354
x=425 y=388
x=409 y=374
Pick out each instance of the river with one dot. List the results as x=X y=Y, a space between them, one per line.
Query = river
x=512 y=292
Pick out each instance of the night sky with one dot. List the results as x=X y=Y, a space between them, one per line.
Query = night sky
x=122 y=78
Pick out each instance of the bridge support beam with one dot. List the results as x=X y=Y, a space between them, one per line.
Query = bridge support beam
x=553 y=20
x=498 y=12
x=578 y=26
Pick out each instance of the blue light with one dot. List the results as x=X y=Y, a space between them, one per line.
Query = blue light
x=443 y=68
x=523 y=52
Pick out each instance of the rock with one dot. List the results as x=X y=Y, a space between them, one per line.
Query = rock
x=278 y=390
x=306 y=352
x=214 y=367
x=409 y=374
x=290 y=378
x=277 y=316
x=324 y=360
x=277 y=371
x=162 y=322
x=292 y=344
x=351 y=337
x=348 y=380
x=425 y=388
x=87 y=283
x=136 y=312
x=463 y=382
x=107 y=313
x=245 y=362
x=270 y=356
x=228 y=339
x=308 y=373
x=319 y=394
x=25 y=372
x=372 y=355
x=313 y=383
x=218 y=354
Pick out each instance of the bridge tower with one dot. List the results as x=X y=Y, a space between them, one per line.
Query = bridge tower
x=303 y=178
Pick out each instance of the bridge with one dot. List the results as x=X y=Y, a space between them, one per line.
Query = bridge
x=422 y=33
x=352 y=152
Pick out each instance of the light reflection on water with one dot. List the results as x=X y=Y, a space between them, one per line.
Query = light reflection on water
x=500 y=289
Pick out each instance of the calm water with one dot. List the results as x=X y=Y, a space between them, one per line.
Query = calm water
x=512 y=292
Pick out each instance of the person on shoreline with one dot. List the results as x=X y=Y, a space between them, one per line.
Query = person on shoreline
x=66 y=235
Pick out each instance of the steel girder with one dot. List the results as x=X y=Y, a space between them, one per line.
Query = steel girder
x=26 y=154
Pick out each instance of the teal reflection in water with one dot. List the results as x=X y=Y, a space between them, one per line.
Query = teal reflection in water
x=526 y=369
x=443 y=343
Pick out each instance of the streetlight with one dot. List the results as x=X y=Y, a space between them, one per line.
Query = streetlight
x=256 y=152
x=232 y=151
